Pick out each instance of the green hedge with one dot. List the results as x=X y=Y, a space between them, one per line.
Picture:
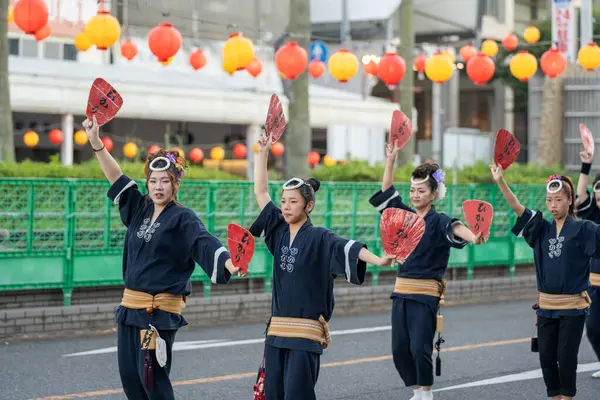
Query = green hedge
x=354 y=171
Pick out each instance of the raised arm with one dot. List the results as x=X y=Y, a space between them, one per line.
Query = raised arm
x=261 y=182
x=586 y=164
x=109 y=166
x=510 y=197
x=391 y=151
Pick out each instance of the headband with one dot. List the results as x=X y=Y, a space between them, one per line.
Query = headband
x=597 y=187
x=557 y=189
x=294 y=183
x=166 y=163
x=438 y=176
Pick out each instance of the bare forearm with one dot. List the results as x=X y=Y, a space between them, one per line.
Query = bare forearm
x=109 y=165
x=582 y=184
x=464 y=233
x=368 y=257
x=261 y=182
x=510 y=198
x=388 y=174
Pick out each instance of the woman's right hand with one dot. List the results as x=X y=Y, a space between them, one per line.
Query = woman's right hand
x=264 y=142
x=586 y=157
x=497 y=172
x=391 y=150
x=92 y=130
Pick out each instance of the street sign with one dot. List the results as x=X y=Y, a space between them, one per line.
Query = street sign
x=318 y=51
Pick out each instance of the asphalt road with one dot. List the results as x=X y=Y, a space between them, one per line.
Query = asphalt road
x=487 y=350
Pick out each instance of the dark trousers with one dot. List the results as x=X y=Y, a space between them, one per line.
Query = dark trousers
x=592 y=322
x=290 y=374
x=131 y=365
x=559 y=340
x=413 y=331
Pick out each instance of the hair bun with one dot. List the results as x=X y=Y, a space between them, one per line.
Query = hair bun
x=314 y=183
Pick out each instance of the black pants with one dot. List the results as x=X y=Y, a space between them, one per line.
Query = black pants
x=593 y=320
x=413 y=332
x=290 y=374
x=559 y=340
x=131 y=365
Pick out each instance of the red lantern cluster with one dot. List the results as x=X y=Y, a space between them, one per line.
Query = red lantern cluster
x=30 y=15
x=467 y=52
x=277 y=149
x=255 y=67
x=313 y=158
x=55 y=136
x=371 y=67
x=164 y=41
x=128 y=50
x=419 y=63
x=240 y=150
x=197 y=59
x=391 y=69
x=480 y=69
x=316 y=68
x=553 y=63
x=196 y=155
x=291 y=60
x=510 y=42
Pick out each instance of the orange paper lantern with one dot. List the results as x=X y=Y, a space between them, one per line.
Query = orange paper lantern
x=128 y=49
x=240 y=150
x=196 y=155
x=467 y=52
x=553 y=62
x=43 y=33
x=316 y=68
x=480 y=69
x=277 y=149
x=510 y=42
x=255 y=67
x=164 y=41
x=82 y=41
x=419 y=63
x=30 y=15
x=108 y=143
x=55 y=136
x=197 y=59
x=313 y=158
x=291 y=60
x=371 y=67
x=391 y=69
x=153 y=149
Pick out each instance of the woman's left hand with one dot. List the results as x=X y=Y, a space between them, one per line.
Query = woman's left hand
x=479 y=239
x=234 y=270
x=386 y=261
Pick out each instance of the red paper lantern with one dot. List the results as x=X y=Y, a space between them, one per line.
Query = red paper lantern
x=240 y=150
x=153 y=149
x=467 y=52
x=313 y=158
x=55 y=136
x=196 y=155
x=316 y=68
x=108 y=143
x=164 y=41
x=391 y=69
x=510 y=42
x=277 y=149
x=43 y=33
x=197 y=59
x=128 y=49
x=480 y=69
x=419 y=63
x=255 y=67
x=371 y=67
x=30 y=15
x=553 y=62
x=291 y=60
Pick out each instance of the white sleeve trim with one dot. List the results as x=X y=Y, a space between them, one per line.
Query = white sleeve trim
x=383 y=205
x=215 y=270
x=588 y=205
x=347 y=248
x=118 y=196
x=524 y=226
x=451 y=238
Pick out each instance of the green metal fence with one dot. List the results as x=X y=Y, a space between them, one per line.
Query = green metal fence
x=65 y=233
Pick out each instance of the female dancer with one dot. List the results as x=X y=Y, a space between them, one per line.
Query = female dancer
x=163 y=242
x=419 y=283
x=562 y=249
x=588 y=207
x=306 y=261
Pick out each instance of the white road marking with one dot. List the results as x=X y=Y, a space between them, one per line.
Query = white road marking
x=209 y=344
x=522 y=376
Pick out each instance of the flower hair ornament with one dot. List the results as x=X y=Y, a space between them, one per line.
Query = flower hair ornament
x=554 y=184
x=165 y=163
x=439 y=177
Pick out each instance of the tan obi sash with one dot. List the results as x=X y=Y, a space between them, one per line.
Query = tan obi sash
x=429 y=287
x=564 y=301
x=595 y=279
x=302 y=328
x=172 y=303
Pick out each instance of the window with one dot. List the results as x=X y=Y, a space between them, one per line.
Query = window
x=30 y=48
x=69 y=52
x=13 y=47
x=52 y=50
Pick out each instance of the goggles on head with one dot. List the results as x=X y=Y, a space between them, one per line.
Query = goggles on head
x=294 y=183
x=419 y=181
x=554 y=186
x=164 y=164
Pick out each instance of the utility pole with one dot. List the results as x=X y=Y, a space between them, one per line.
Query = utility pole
x=406 y=86
x=7 y=143
x=586 y=23
x=298 y=136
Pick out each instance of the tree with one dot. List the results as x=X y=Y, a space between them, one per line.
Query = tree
x=7 y=145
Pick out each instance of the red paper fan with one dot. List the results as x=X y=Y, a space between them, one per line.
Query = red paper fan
x=241 y=246
x=275 y=123
x=401 y=231
x=401 y=129
x=587 y=138
x=104 y=102
x=507 y=148
x=479 y=215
